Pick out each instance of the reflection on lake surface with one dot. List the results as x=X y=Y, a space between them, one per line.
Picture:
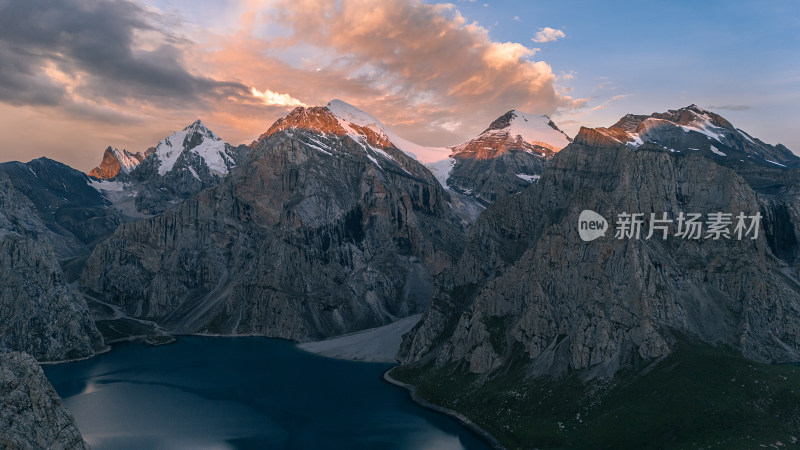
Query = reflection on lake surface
x=244 y=393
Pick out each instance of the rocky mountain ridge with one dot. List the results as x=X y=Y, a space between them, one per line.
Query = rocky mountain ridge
x=528 y=290
x=178 y=167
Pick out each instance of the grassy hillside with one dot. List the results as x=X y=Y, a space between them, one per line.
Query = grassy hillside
x=698 y=397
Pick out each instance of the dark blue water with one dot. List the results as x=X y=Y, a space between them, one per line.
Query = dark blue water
x=244 y=393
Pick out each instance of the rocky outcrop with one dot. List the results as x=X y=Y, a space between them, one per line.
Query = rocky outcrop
x=316 y=234
x=115 y=162
x=773 y=172
x=31 y=413
x=39 y=312
x=529 y=291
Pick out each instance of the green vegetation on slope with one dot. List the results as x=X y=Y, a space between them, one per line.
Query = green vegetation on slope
x=698 y=397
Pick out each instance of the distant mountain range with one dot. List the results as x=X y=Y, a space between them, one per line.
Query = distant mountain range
x=331 y=223
x=504 y=159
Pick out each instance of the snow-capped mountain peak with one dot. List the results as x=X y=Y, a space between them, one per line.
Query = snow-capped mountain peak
x=348 y=114
x=694 y=129
x=505 y=158
x=351 y=115
x=515 y=130
x=342 y=119
x=537 y=130
x=197 y=139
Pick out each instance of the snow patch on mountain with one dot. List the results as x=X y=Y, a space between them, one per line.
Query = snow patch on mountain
x=108 y=186
x=442 y=170
x=536 y=130
x=702 y=123
x=776 y=163
x=529 y=178
x=636 y=141
x=746 y=136
x=717 y=151
x=127 y=160
x=347 y=114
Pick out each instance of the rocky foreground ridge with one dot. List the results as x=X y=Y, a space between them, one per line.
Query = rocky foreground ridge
x=31 y=413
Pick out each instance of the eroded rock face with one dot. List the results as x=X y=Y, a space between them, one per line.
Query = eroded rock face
x=314 y=235
x=529 y=290
x=39 y=312
x=31 y=413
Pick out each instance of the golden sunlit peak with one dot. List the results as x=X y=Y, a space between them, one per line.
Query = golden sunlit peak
x=275 y=99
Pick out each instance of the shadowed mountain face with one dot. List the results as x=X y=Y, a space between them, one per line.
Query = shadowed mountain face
x=321 y=231
x=71 y=211
x=529 y=291
x=49 y=216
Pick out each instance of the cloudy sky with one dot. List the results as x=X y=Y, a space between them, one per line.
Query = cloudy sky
x=79 y=75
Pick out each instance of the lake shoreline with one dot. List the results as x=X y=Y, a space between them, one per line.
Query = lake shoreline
x=144 y=376
x=464 y=420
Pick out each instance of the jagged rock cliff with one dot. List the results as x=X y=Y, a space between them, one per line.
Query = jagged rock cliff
x=773 y=171
x=117 y=161
x=31 y=413
x=527 y=289
x=39 y=312
x=324 y=229
x=40 y=203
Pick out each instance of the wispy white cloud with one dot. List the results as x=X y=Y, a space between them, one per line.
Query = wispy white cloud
x=548 y=34
x=409 y=63
x=424 y=69
x=608 y=102
x=275 y=99
x=730 y=107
